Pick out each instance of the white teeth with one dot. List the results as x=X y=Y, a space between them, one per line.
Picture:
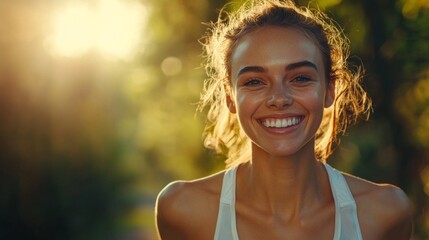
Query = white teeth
x=281 y=123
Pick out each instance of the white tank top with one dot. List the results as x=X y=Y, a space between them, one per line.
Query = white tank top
x=346 y=220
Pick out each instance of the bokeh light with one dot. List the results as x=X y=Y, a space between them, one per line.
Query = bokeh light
x=171 y=66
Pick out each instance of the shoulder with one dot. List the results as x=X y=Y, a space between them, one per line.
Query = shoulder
x=384 y=210
x=182 y=207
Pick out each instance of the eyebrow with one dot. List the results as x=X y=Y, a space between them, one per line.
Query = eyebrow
x=292 y=66
x=256 y=69
x=296 y=65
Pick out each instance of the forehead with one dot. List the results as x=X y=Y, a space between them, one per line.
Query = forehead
x=272 y=45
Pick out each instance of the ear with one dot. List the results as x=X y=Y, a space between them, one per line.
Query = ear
x=231 y=104
x=229 y=100
x=330 y=94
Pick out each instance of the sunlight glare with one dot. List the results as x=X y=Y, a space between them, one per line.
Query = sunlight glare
x=73 y=32
x=111 y=27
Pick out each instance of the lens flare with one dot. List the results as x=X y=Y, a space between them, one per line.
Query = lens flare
x=111 y=27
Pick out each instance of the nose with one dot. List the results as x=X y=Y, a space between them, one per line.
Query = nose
x=279 y=98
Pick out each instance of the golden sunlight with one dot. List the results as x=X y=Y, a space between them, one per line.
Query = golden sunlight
x=111 y=27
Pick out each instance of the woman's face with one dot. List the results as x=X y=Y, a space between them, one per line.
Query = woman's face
x=279 y=89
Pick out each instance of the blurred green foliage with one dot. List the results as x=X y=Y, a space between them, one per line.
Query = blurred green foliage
x=88 y=141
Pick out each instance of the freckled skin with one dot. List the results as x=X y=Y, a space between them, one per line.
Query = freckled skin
x=273 y=49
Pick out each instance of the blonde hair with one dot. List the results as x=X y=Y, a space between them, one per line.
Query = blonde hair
x=223 y=132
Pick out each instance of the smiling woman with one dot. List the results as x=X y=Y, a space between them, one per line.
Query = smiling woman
x=110 y=27
x=279 y=92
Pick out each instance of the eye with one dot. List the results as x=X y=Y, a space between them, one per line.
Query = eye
x=302 y=79
x=253 y=82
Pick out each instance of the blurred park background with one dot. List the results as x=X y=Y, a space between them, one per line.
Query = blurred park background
x=97 y=109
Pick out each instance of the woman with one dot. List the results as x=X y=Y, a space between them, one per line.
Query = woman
x=279 y=93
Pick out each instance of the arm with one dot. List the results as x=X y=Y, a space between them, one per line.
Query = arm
x=384 y=210
x=168 y=217
x=399 y=215
x=188 y=209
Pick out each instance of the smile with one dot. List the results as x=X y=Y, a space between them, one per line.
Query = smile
x=281 y=123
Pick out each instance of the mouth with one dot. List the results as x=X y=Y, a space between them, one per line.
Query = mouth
x=281 y=122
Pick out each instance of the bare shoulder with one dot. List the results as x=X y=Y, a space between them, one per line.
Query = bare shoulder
x=384 y=210
x=185 y=209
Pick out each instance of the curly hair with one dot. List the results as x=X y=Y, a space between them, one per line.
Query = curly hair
x=223 y=132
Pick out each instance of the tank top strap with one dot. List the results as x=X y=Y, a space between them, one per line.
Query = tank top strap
x=346 y=219
x=226 y=227
x=340 y=188
x=228 y=186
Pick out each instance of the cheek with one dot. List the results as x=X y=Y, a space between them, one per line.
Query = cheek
x=319 y=101
x=246 y=101
x=244 y=106
x=247 y=105
x=313 y=101
x=317 y=98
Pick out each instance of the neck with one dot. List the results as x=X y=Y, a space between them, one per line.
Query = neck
x=287 y=187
